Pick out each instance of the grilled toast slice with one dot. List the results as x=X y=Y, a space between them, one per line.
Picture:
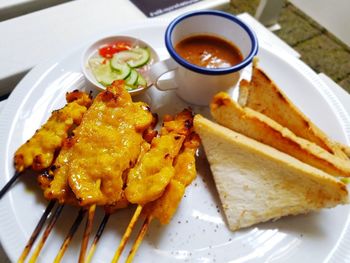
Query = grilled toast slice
x=263 y=95
x=257 y=183
x=258 y=126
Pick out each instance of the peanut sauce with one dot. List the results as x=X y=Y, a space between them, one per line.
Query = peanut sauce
x=209 y=51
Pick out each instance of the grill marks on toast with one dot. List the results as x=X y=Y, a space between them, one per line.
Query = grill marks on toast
x=264 y=129
x=268 y=159
x=263 y=95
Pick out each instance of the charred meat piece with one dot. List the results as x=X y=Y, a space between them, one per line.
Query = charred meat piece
x=107 y=142
x=148 y=179
x=185 y=172
x=39 y=151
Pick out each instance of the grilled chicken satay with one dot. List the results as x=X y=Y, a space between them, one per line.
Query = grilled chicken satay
x=148 y=136
x=154 y=170
x=166 y=191
x=54 y=181
x=123 y=202
x=107 y=142
x=185 y=172
x=59 y=188
x=150 y=176
x=39 y=151
x=63 y=193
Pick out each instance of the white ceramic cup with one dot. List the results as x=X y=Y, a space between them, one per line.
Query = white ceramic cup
x=195 y=84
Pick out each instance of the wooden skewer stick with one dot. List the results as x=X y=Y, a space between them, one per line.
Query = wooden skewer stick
x=88 y=228
x=70 y=235
x=36 y=232
x=87 y=232
x=127 y=234
x=46 y=234
x=139 y=239
x=9 y=184
x=97 y=237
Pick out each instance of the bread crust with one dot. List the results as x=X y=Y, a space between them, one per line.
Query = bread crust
x=263 y=95
x=257 y=183
x=255 y=125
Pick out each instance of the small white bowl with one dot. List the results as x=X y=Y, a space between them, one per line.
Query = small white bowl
x=92 y=51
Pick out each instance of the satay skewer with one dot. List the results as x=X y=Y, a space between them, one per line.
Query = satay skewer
x=117 y=105
x=8 y=185
x=148 y=136
x=39 y=152
x=87 y=232
x=159 y=160
x=88 y=229
x=164 y=207
x=123 y=203
x=46 y=234
x=139 y=239
x=70 y=235
x=140 y=127
x=97 y=237
x=127 y=234
x=36 y=153
x=36 y=232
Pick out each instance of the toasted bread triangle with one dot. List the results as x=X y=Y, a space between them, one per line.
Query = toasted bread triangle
x=258 y=126
x=263 y=95
x=257 y=183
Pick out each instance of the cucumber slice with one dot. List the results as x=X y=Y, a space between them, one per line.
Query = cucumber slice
x=121 y=68
x=132 y=79
x=102 y=71
x=141 y=81
x=135 y=57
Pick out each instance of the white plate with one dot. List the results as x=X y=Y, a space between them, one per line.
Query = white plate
x=198 y=232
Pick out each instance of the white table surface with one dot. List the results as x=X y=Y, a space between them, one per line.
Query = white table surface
x=32 y=38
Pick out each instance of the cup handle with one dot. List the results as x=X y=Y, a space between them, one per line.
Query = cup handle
x=158 y=69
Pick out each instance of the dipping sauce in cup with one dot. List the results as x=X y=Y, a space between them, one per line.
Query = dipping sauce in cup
x=209 y=51
x=198 y=75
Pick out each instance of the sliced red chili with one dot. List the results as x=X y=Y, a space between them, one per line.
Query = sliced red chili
x=110 y=50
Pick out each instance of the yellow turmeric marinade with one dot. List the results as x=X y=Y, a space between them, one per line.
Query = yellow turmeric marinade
x=185 y=172
x=105 y=145
x=54 y=182
x=147 y=180
x=39 y=151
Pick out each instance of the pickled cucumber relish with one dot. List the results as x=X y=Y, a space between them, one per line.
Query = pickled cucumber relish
x=118 y=61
